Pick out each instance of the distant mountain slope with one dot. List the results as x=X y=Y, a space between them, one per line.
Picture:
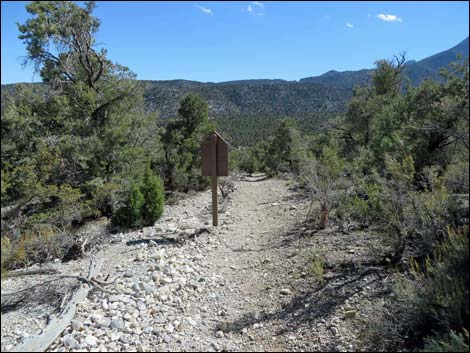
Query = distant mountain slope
x=235 y=98
x=278 y=98
x=429 y=67
x=417 y=71
x=343 y=79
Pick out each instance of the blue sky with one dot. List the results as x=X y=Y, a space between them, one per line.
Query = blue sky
x=220 y=41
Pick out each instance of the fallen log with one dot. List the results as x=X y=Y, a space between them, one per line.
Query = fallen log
x=253 y=179
x=58 y=324
x=20 y=273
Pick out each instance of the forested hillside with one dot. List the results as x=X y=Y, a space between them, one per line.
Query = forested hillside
x=248 y=98
x=240 y=108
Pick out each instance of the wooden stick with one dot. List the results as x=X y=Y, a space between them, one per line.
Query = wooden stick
x=215 y=220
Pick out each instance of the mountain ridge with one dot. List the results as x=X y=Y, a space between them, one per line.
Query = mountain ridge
x=417 y=71
x=315 y=98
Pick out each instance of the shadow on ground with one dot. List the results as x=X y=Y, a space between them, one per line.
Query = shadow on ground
x=314 y=301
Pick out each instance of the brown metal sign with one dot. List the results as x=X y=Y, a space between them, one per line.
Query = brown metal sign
x=214 y=156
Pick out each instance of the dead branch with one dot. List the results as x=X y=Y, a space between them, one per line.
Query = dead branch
x=253 y=179
x=226 y=186
x=59 y=323
x=20 y=273
x=90 y=281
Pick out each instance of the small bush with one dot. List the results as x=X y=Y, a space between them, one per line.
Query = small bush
x=102 y=196
x=440 y=290
x=456 y=177
x=143 y=205
x=364 y=203
x=154 y=198
x=454 y=342
x=129 y=215
x=43 y=243
x=324 y=180
x=428 y=305
x=317 y=263
x=317 y=268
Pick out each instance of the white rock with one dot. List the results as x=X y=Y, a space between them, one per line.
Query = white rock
x=104 y=322
x=96 y=317
x=285 y=291
x=112 y=346
x=70 y=342
x=116 y=298
x=166 y=280
x=156 y=277
x=149 y=289
x=169 y=328
x=160 y=254
x=91 y=340
x=77 y=325
x=164 y=290
x=117 y=323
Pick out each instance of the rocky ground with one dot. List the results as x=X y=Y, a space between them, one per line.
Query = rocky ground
x=263 y=280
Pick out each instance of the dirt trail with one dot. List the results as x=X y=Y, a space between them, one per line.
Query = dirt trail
x=247 y=285
x=250 y=258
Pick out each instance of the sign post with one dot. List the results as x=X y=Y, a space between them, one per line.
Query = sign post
x=214 y=155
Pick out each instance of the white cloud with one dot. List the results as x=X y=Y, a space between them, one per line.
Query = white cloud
x=349 y=25
x=389 y=18
x=205 y=10
x=256 y=8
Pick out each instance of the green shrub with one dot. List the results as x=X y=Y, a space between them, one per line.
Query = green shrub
x=154 y=198
x=101 y=196
x=143 y=205
x=426 y=305
x=437 y=295
x=364 y=203
x=454 y=342
x=443 y=282
x=456 y=177
x=317 y=264
x=129 y=215
x=253 y=159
